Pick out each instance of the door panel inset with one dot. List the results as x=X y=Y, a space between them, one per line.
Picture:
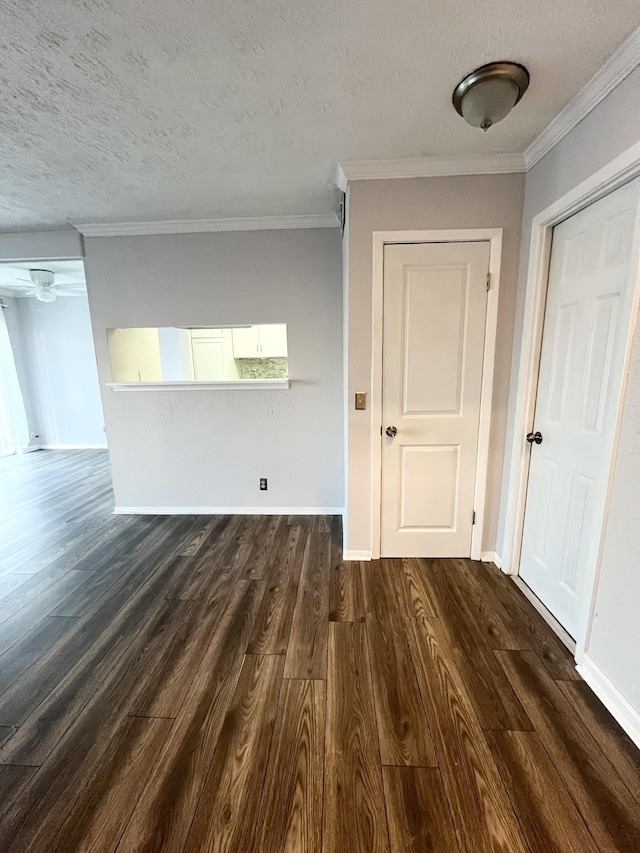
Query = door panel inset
x=576 y=534
x=434 y=508
x=434 y=314
x=600 y=354
x=546 y=495
x=561 y=361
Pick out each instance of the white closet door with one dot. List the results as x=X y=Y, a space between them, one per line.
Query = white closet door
x=435 y=300
x=594 y=264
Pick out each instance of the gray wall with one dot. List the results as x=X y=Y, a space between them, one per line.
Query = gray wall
x=40 y=245
x=209 y=448
x=57 y=367
x=480 y=201
x=605 y=133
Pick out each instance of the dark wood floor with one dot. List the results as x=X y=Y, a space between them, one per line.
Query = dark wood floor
x=227 y=684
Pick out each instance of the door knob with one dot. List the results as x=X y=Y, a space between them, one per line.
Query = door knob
x=391 y=431
x=534 y=437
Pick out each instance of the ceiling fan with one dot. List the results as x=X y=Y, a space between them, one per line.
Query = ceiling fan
x=46 y=290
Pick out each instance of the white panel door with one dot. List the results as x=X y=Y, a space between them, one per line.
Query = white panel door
x=208 y=360
x=435 y=300
x=594 y=262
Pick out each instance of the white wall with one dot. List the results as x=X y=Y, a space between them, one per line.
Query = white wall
x=614 y=646
x=57 y=347
x=209 y=448
x=171 y=355
x=134 y=355
x=480 y=201
x=20 y=357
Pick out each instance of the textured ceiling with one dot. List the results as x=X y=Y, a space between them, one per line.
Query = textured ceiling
x=169 y=109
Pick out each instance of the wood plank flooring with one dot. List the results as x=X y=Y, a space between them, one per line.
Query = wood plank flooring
x=193 y=684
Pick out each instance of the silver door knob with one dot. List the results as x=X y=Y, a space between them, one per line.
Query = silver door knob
x=391 y=431
x=534 y=437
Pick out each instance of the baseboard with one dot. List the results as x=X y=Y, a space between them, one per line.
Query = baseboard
x=227 y=510
x=491 y=557
x=361 y=556
x=619 y=707
x=73 y=447
x=547 y=615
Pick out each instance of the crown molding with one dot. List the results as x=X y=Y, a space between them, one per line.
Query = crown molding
x=427 y=167
x=622 y=63
x=625 y=60
x=200 y=226
x=340 y=179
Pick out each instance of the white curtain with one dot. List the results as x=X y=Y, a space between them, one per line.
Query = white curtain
x=14 y=429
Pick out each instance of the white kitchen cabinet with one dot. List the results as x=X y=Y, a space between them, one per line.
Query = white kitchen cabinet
x=246 y=342
x=208 y=333
x=273 y=340
x=265 y=341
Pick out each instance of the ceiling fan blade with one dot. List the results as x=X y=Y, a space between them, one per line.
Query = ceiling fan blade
x=65 y=291
x=31 y=292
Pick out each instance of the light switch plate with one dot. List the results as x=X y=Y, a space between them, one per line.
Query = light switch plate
x=361 y=400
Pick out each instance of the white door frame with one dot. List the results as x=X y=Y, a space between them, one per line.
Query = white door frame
x=615 y=174
x=466 y=235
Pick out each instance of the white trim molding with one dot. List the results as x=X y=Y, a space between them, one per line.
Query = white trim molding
x=547 y=615
x=427 y=167
x=228 y=510
x=199 y=226
x=71 y=447
x=358 y=556
x=380 y=238
x=243 y=385
x=491 y=557
x=613 y=700
x=625 y=60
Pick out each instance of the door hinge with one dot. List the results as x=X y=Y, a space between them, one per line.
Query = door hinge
x=473 y=519
x=488 y=281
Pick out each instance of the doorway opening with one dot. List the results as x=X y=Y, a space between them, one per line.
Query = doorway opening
x=589 y=306
x=593 y=409
x=50 y=389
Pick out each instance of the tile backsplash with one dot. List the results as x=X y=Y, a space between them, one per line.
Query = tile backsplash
x=263 y=368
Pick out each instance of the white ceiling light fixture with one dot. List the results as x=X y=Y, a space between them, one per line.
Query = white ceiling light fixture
x=44 y=281
x=46 y=294
x=488 y=94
